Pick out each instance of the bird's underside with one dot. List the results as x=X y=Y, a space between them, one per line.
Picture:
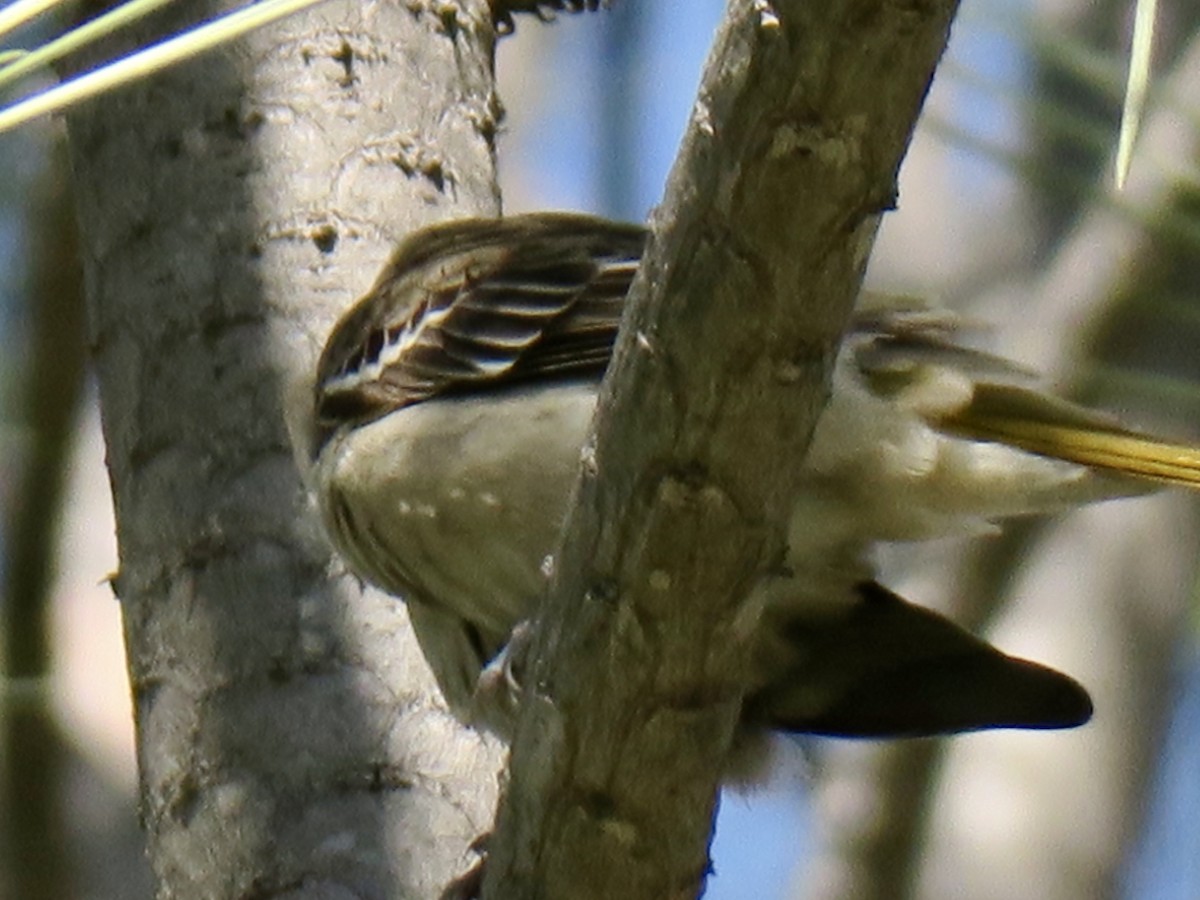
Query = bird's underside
x=453 y=402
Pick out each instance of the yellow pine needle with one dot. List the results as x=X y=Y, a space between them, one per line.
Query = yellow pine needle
x=16 y=14
x=212 y=34
x=1136 y=86
x=76 y=38
x=1116 y=451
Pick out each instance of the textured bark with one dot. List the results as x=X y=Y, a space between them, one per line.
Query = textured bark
x=804 y=114
x=289 y=737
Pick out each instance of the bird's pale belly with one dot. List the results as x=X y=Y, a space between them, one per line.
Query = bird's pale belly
x=471 y=514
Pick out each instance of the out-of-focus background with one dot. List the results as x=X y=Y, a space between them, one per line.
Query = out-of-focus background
x=1005 y=212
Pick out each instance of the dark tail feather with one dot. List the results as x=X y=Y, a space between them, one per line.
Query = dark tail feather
x=890 y=668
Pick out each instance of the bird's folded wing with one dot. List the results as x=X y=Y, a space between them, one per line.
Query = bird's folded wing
x=501 y=308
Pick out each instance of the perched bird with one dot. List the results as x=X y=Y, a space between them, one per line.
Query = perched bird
x=451 y=407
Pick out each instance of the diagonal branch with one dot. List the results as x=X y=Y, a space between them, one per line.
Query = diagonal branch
x=804 y=114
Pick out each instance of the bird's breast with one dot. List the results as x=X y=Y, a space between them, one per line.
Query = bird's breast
x=460 y=500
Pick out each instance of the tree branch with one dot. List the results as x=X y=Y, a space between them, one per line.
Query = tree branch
x=722 y=369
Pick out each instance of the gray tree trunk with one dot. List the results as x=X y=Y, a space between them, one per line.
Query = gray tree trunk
x=290 y=740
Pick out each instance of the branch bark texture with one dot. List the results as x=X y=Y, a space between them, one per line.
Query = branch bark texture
x=289 y=738
x=722 y=370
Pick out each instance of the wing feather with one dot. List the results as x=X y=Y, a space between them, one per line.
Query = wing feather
x=480 y=305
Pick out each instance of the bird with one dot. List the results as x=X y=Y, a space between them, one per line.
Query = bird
x=452 y=402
